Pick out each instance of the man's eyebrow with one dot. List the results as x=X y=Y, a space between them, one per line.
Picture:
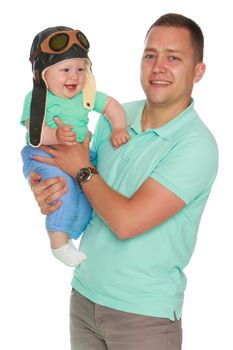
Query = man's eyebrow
x=152 y=49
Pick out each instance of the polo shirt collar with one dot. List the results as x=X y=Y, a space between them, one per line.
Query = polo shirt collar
x=136 y=123
x=173 y=128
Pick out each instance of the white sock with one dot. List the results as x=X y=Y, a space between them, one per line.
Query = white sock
x=69 y=254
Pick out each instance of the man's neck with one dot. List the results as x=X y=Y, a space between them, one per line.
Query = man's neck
x=155 y=117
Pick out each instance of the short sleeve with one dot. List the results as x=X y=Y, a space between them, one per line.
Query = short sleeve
x=26 y=108
x=100 y=102
x=189 y=168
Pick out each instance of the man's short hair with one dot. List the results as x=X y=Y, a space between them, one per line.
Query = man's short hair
x=180 y=21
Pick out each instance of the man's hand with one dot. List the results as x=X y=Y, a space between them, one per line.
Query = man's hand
x=47 y=192
x=69 y=159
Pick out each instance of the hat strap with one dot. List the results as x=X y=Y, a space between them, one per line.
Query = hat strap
x=37 y=112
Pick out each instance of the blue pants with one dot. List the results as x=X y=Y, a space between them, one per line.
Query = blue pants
x=75 y=213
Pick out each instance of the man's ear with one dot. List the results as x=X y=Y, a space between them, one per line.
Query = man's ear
x=199 y=72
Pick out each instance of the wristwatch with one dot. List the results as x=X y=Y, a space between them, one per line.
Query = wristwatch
x=85 y=174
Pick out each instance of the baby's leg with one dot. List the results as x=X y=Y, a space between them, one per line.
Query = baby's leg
x=64 y=250
x=58 y=223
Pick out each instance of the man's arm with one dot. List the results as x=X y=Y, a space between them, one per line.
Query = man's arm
x=149 y=206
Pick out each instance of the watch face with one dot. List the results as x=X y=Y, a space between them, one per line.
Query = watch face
x=84 y=175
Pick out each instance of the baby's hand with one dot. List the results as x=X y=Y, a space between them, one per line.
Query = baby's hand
x=64 y=134
x=119 y=137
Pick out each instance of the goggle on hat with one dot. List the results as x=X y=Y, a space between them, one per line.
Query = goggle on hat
x=49 y=47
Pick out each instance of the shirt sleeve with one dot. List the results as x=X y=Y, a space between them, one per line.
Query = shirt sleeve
x=189 y=168
x=100 y=102
x=26 y=108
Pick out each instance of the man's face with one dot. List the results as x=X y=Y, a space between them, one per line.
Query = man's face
x=66 y=78
x=168 y=67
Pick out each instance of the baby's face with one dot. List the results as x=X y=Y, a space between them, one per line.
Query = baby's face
x=66 y=78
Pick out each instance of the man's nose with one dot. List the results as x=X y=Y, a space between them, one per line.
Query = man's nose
x=159 y=64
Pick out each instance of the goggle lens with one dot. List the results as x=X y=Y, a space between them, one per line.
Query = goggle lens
x=58 y=42
x=83 y=40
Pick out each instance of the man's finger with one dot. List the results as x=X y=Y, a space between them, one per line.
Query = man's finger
x=34 y=177
x=87 y=139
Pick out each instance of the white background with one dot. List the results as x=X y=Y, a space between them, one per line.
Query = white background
x=34 y=287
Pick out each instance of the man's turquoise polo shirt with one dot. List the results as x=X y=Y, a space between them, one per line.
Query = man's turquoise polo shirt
x=144 y=274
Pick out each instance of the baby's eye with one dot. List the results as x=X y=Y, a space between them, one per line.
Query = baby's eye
x=66 y=70
x=80 y=69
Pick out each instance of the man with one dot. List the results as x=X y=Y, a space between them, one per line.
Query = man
x=148 y=197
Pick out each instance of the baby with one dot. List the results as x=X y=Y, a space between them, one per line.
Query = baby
x=64 y=87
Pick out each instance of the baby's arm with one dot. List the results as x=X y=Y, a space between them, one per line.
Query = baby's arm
x=116 y=115
x=61 y=135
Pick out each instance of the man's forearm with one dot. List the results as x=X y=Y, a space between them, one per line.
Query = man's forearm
x=148 y=207
x=109 y=204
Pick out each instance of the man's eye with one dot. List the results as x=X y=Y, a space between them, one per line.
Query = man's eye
x=173 y=58
x=149 y=56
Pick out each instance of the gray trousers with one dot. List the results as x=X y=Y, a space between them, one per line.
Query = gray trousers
x=96 y=327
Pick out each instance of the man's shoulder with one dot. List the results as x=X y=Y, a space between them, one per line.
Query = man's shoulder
x=133 y=105
x=132 y=109
x=200 y=134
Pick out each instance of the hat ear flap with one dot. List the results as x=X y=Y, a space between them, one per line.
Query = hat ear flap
x=89 y=90
x=37 y=111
